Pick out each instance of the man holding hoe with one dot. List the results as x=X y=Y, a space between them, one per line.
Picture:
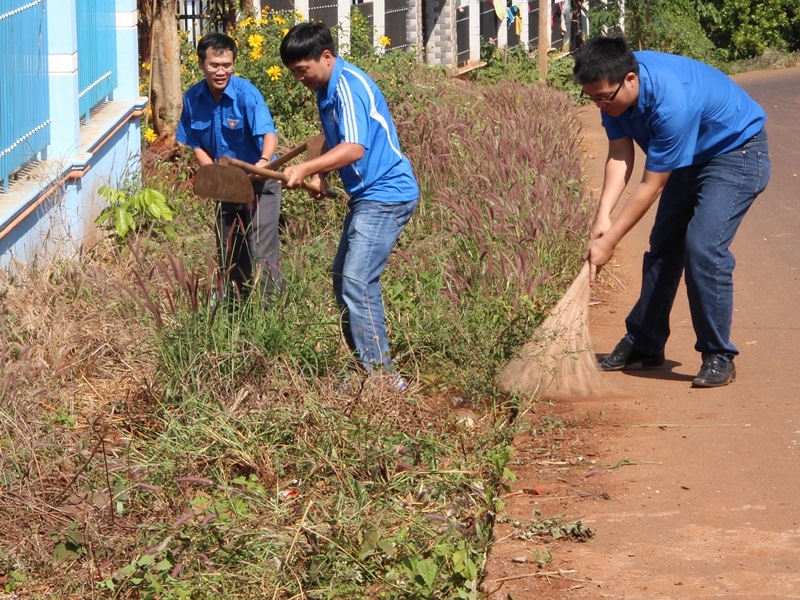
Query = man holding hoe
x=362 y=145
x=225 y=115
x=708 y=159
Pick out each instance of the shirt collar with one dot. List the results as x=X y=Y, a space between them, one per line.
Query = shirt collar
x=644 y=92
x=325 y=96
x=229 y=91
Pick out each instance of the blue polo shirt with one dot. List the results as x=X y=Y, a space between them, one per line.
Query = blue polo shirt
x=353 y=110
x=235 y=127
x=688 y=113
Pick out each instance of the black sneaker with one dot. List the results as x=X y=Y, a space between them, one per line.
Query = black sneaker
x=625 y=355
x=715 y=372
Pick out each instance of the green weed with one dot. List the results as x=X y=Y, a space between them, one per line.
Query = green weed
x=128 y=213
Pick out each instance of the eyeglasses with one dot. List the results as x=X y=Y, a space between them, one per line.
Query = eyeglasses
x=603 y=99
x=223 y=68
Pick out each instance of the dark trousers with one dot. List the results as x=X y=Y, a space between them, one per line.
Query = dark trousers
x=248 y=243
x=700 y=210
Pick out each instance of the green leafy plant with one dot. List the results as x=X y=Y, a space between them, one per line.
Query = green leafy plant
x=746 y=29
x=713 y=31
x=673 y=26
x=134 y=212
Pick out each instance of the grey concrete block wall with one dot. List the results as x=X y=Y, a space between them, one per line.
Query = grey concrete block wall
x=440 y=19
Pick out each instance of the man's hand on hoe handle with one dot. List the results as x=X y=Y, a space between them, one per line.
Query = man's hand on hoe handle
x=296 y=176
x=261 y=173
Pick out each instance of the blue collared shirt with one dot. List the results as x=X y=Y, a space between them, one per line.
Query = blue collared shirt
x=235 y=127
x=353 y=110
x=688 y=113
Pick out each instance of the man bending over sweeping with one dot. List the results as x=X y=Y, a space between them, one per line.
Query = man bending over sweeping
x=708 y=159
x=362 y=145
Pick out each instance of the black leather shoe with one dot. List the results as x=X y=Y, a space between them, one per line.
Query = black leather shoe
x=626 y=355
x=715 y=372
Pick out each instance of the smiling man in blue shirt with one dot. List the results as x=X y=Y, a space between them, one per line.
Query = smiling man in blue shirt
x=362 y=145
x=225 y=115
x=707 y=159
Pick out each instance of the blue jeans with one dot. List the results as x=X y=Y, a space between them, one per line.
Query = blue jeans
x=369 y=233
x=700 y=210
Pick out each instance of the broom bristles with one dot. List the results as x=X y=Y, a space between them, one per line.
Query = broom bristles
x=558 y=359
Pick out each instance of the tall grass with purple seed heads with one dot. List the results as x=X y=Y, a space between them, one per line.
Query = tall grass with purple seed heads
x=499 y=230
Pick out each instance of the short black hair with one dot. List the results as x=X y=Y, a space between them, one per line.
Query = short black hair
x=604 y=59
x=306 y=41
x=218 y=41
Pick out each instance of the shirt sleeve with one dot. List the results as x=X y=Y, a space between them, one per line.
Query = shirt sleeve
x=258 y=114
x=185 y=133
x=613 y=129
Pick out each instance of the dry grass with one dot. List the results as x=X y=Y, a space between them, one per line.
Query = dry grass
x=99 y=466
x=135 y=424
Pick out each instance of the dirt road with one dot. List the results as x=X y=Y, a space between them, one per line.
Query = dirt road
x=690 y=493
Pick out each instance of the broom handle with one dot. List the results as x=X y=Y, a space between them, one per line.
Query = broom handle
x=270 y=174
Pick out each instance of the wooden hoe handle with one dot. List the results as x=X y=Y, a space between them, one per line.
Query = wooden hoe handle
x=262 y=173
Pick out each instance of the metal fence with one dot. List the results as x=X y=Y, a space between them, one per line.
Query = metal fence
x=367 y=10
x=24 y=107
x=97 y=52
x=533 y=23
x=194 y=17
x=326 y=11
x=488 y=21
x=557 y=25
x=462 y=35
x=513 y=37
x=396 y=23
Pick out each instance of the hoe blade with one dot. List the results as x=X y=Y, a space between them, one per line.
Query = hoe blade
x=223 y=182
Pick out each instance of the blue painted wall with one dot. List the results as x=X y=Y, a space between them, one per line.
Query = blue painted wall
x=50 y=208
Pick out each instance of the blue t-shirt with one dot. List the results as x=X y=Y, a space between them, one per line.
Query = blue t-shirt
x=235 y=127
x=353 y=110
x=688 y=113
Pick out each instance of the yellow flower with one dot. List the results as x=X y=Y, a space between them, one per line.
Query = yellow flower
x=279 y=20
x=284 y=31
x=146 y=66
x=299 y=15
x=245 y=22
x=255 y=54
x=150 y=135
x=384 y=41
x=255 y=41
x=274 y=73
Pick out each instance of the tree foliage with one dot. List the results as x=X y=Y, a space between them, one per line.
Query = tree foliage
x=709 y=30
x=746 y=27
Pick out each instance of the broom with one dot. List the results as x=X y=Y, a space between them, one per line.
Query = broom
x=558 y=358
